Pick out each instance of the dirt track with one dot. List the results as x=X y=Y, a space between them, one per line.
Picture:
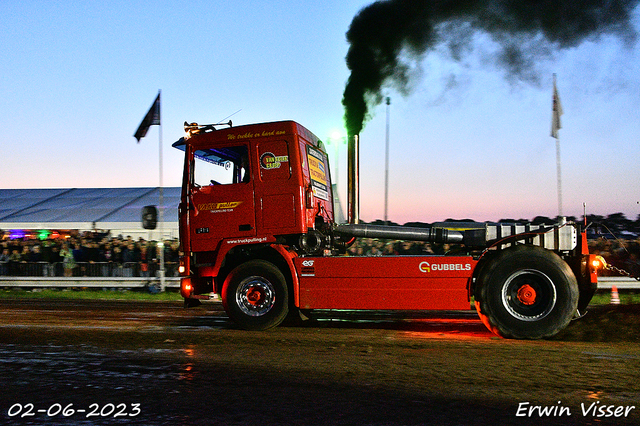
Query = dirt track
x=194 y=367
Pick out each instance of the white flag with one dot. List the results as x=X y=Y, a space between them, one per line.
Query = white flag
x=557 y=111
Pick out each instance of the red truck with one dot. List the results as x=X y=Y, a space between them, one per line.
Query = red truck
x=257 y=227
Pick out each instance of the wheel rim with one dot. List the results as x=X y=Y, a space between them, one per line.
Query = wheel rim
x=529 y=295
x=255 y=296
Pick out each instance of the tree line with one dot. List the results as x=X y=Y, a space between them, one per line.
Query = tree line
x=614 y=225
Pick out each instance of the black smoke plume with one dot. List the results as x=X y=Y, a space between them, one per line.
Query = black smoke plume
x=386 y=36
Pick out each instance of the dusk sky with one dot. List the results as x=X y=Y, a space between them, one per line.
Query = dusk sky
x=466 y=141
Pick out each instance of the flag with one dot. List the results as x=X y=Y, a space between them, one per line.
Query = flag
x=151 y=119
x=557 y=111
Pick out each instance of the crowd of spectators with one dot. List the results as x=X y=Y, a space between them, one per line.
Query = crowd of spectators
x=376 y=247
x=87 y=254
x=99 y=254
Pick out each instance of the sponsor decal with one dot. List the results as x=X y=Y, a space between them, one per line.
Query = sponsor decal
x=248 y=240
x=251 y=135
x=226 y=206
x=317 y=173
x=427 y=267
x=308 y=269
x=269 y=160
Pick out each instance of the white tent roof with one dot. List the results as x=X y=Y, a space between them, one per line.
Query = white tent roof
x=115 y=209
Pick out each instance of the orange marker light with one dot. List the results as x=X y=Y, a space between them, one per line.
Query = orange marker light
x=599 y=263
x=186 y=287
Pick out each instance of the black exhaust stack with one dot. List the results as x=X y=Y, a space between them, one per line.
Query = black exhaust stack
x=353 y=179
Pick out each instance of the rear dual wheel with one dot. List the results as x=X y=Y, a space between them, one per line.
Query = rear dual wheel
x=255 y=295
x=526 y=292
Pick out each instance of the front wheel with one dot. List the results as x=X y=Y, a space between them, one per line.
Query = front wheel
x=255 y=295
x=526 y=292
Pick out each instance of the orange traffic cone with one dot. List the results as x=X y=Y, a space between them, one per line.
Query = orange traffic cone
x=615 y=297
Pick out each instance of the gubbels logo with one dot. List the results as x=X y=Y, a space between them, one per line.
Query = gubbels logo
x=426 y=267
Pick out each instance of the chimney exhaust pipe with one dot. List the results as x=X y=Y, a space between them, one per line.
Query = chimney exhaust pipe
x=353 y=179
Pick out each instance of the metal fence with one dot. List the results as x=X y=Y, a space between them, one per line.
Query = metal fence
x=152 y=284
x=85 y=269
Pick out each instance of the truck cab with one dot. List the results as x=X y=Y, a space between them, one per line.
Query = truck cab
x=248 y=186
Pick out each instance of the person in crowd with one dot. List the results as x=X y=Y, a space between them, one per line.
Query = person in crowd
x=130 y=256
x=68 y=260
x=35 y=256
x=144 y=261
x=55 y=261
x=14 y=262
x=24 y=256
x=374 y=249
x=117 y=259
x=4 y=261
x=94 y=258
x=80 y=257
x=409 y=248
x=172 y=258
x=389 y=249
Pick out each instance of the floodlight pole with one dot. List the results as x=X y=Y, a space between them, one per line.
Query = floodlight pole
x=386 y=167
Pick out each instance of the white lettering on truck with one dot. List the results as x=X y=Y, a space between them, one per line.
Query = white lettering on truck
x=427 y=267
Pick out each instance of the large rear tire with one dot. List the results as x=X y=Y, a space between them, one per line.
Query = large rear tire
x=526 y=292
x=255 y=295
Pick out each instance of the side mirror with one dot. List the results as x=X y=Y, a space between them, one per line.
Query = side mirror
x=149 y=217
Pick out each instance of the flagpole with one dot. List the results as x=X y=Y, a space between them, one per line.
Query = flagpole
x=161 y=207
x=558 y=169
x=153 y=118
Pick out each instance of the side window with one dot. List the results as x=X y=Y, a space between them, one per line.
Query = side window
x=221 y=166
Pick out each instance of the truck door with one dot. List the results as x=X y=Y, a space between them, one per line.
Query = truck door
x=222 y=197
x=278 y=213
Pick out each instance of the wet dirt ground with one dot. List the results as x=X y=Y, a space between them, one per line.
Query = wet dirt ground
x=96 y=362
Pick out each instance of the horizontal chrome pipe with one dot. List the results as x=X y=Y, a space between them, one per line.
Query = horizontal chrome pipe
x=434 y=235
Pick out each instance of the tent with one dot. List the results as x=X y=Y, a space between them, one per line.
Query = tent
x=85 y=209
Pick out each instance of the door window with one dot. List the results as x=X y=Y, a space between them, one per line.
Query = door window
x=221 y=166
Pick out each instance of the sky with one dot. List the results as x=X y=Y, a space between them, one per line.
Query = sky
x=77 y=77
